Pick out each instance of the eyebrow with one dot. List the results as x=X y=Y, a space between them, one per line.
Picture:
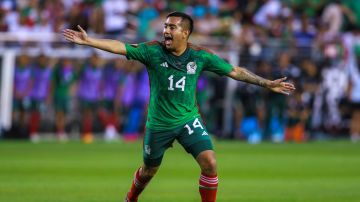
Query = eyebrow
x=170 y=24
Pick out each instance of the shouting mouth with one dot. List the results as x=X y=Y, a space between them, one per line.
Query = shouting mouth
x=168 y=40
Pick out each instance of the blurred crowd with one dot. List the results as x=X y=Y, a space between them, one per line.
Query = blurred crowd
x=314 y=43
x=64 y=95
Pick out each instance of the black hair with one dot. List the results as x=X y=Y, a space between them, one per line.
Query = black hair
x=186 y=21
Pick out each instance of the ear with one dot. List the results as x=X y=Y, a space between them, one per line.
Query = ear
x=186 y=34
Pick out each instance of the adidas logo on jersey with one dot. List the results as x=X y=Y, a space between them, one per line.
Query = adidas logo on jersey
x=164 y=64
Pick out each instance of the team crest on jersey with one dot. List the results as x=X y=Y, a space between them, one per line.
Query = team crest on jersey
x=191 y=67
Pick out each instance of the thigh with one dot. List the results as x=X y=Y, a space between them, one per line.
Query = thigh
x=155 y=145
x=194 y=137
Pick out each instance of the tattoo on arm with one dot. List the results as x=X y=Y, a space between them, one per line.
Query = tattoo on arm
x=245 y=75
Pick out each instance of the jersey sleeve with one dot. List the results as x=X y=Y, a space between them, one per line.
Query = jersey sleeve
x=217 y=65
x=137 y=52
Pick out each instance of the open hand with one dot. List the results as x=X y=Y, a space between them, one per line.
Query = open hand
x=76 y=36
x=279 y=86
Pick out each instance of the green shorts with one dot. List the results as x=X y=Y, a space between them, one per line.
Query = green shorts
x=21 y=104
x=192 y=136
x=62 y=104
x=108 y=105
x=38 y=105
x=89 y=105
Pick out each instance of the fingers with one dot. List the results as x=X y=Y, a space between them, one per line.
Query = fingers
x=81 y=29
x=283 y=79
x=285 y=92
x=280 y=80
x=70 y=31
x=69 y=34
x=289 y=86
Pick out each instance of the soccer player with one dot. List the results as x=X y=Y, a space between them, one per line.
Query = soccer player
x=112 y=78
x=63 y=79
x=40 y=93
x=90 y=83
x=22 y=88
x=174 y=66
x=134 y=99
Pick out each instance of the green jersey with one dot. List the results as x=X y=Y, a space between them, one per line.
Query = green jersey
x=173 y=81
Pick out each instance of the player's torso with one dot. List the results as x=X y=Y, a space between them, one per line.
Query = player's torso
x=175 y=77
x=90 y=83
x=173 y=81
x=22 y=79
x=42 y=80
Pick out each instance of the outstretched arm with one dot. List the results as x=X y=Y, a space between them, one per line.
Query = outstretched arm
x=278 y=85
x=80 y=37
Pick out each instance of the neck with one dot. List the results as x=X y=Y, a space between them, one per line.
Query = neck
x=180 y=50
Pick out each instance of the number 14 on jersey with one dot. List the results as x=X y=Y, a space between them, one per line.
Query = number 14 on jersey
x=196 y=124
x=179 y=84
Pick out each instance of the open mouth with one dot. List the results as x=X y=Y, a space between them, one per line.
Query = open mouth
x=168 y=40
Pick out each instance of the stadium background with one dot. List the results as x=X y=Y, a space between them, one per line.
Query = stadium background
x=313 y=43
x=316 y=44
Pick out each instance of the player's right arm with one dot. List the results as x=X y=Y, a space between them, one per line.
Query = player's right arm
x=81 y=38
x=219 y=66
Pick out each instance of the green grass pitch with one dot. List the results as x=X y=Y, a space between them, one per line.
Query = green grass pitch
x=102 y=172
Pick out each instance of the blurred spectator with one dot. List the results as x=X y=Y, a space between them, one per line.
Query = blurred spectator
x=297 y=116
x=44 y=25
x=115 y=16
x=90 y=83
x=326 y=113
x=145 y=16
x=134 y=99
x=333 y=15
x=113 y=76
x=305 y=35
x=77 y=16
x=309 y=85
x=267 y=12
x=5 y=8
x=40 y=93
x=22 y=89
x=63 y=78
x=182 y=6
x=200 y=9
x=30 y=13
x=276 y=105
x=223 y=8
x=354 y=97
x=202 y=95
x=96 y=18
x=247 y=113
x=354 y=6
x=311 y=8
x=208 y=25
x=157 y=25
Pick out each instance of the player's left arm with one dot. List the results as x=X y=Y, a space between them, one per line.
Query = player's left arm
x=278 y=85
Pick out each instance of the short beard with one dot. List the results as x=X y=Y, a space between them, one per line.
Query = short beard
x=169 y=48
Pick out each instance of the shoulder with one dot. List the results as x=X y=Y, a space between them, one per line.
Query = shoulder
x=153 y=43
x=144 y=44
x=200 y=48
